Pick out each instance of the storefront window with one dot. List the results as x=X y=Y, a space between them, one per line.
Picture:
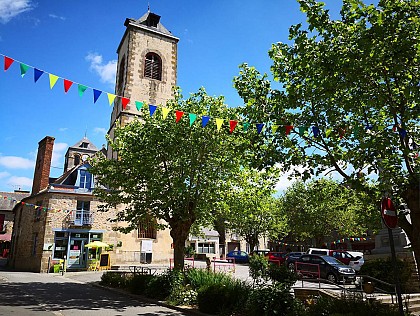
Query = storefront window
x=60 y=248
x=206 y=248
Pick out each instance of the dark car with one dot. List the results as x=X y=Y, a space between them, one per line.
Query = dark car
x=324 y=267
x=239 y=256
x=291 y=258
x=277 y=257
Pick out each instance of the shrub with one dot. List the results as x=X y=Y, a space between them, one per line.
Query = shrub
x=223 y=298
x=198 y=278
x=161 y=286
x=350 y=307
x=113 y=279
x=282 y=274
x=183 y=295
x=138 y=283
x=273 y=299
x=383 y=270
x=258 y=268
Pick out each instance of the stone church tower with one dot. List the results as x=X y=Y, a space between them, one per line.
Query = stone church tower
x=147 y=68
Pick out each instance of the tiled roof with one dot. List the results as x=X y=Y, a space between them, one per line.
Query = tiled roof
x=7 y=204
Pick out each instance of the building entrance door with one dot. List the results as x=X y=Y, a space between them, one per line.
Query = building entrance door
x=77 y=253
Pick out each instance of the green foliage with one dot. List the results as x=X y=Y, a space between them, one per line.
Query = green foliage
x=356 y=79
x=273 y=299
x=350 y=307
x=161 y=286
x=281 y=274
x=198 y=278
x=320 y=207
x=223 y=298
x=114 y=279
x=383 y=270
x=139 y=283
x=189 y=251
x=258 y=268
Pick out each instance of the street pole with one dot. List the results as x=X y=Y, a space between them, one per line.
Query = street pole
x=396 y=275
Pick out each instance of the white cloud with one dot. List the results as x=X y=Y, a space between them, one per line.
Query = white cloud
x=63 y=129
x=57 y=17
x=20 y=182
x=100 y=130
x=4 y=174
x=106 y=71
x=13 y=162
x=12 y=8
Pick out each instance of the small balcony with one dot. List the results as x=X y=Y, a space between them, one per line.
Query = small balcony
x=78 y=218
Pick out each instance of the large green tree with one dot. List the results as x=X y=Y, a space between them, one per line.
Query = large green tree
x=350 y=89
x=320 y=208
x=170 y=171
x=253 y=212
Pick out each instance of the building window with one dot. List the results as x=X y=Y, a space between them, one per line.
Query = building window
x=84 y=145
x=147 y=229
x=83 y=215
x=153 y=66
x=76 y=159
x=60 y=245
x=206 y=248
x=121 y=72
x=35 y=243
x=85 y=179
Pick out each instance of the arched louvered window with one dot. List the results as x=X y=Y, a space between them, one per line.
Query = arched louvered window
x=153 y=66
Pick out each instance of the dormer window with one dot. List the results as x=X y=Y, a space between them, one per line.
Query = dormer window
x=84 y=145
x=153 y=20
x=153 y=66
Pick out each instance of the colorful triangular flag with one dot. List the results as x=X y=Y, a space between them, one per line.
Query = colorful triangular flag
x=315 y=130
x=7 y=62
x=204 y=120
x=193 y=117
x=259 y=127
x=81 y=88
x=165 y=112
x=23 y=69
x=178 y=114
x=37 y=74
x=219 y=123
x=67 y=85
x=96 y=95
x=111 y=98
x=124 y=102
x=302 y=130
x=152 y=109
x=246 y=126
x=288 y=128
x=232 y=124
x=53 y=80
x=274 y=128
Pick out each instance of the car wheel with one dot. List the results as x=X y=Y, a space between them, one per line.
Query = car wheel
x=332 y=278
x=291 y=266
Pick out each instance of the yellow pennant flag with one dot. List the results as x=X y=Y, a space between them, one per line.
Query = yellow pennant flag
x=219 y=123
x=274 y=128
x=111 y=98
x=53 y=80
x=165 y=112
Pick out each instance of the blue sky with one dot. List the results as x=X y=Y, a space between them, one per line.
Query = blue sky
x=77 y=40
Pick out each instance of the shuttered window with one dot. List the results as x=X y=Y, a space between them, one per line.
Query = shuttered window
x=153 y=66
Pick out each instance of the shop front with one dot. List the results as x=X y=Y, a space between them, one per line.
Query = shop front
x=70 y=246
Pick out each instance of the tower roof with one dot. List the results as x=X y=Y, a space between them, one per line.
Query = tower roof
x=151 y=22
x=84 y=143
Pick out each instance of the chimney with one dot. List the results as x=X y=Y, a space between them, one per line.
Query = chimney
x=43 y=164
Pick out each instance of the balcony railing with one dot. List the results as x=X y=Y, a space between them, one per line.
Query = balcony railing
x=78 y=218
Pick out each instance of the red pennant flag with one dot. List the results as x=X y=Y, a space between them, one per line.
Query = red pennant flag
x=23 y=203
x=288 y=129
x=232 y=124
x=67 y=85
x=124 y=102
x=341 y=132
x=7 y=62
x=178 y=114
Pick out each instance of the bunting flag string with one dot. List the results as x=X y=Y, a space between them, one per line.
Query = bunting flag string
x=36 y=207
x=302 y=131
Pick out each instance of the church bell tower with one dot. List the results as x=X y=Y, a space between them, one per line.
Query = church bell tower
x=146 y=69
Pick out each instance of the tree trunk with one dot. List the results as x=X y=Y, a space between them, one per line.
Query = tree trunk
x=179 y=234
x=412 y=197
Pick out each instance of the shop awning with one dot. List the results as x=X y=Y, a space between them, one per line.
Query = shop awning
x=5 y=237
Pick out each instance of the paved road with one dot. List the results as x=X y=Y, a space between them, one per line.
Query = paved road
x=24 y=293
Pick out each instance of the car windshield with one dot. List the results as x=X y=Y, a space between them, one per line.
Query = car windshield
x=331 y=260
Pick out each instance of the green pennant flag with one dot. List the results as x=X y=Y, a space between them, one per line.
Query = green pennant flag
x=81 y=89
x=193 y=117
x=139 y=105
x=302 y=130
x=23 y=69
x=356 y=131
x=246 y=126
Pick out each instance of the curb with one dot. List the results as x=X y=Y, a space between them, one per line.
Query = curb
x=187 y=310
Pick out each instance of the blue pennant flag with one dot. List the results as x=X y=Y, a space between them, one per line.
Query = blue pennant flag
x=204 y=120
x=315 y=130
x=96 y=94
x=260 y=127
x=152 y=109
x=37 y=74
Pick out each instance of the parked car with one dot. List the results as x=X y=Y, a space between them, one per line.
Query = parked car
x=328 y=267
x=261 y=252
x=277 y=257
x=239 y=256
x=291 y=258
x=344 y=256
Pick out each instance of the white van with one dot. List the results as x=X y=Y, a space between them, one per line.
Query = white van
x=344 y=256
